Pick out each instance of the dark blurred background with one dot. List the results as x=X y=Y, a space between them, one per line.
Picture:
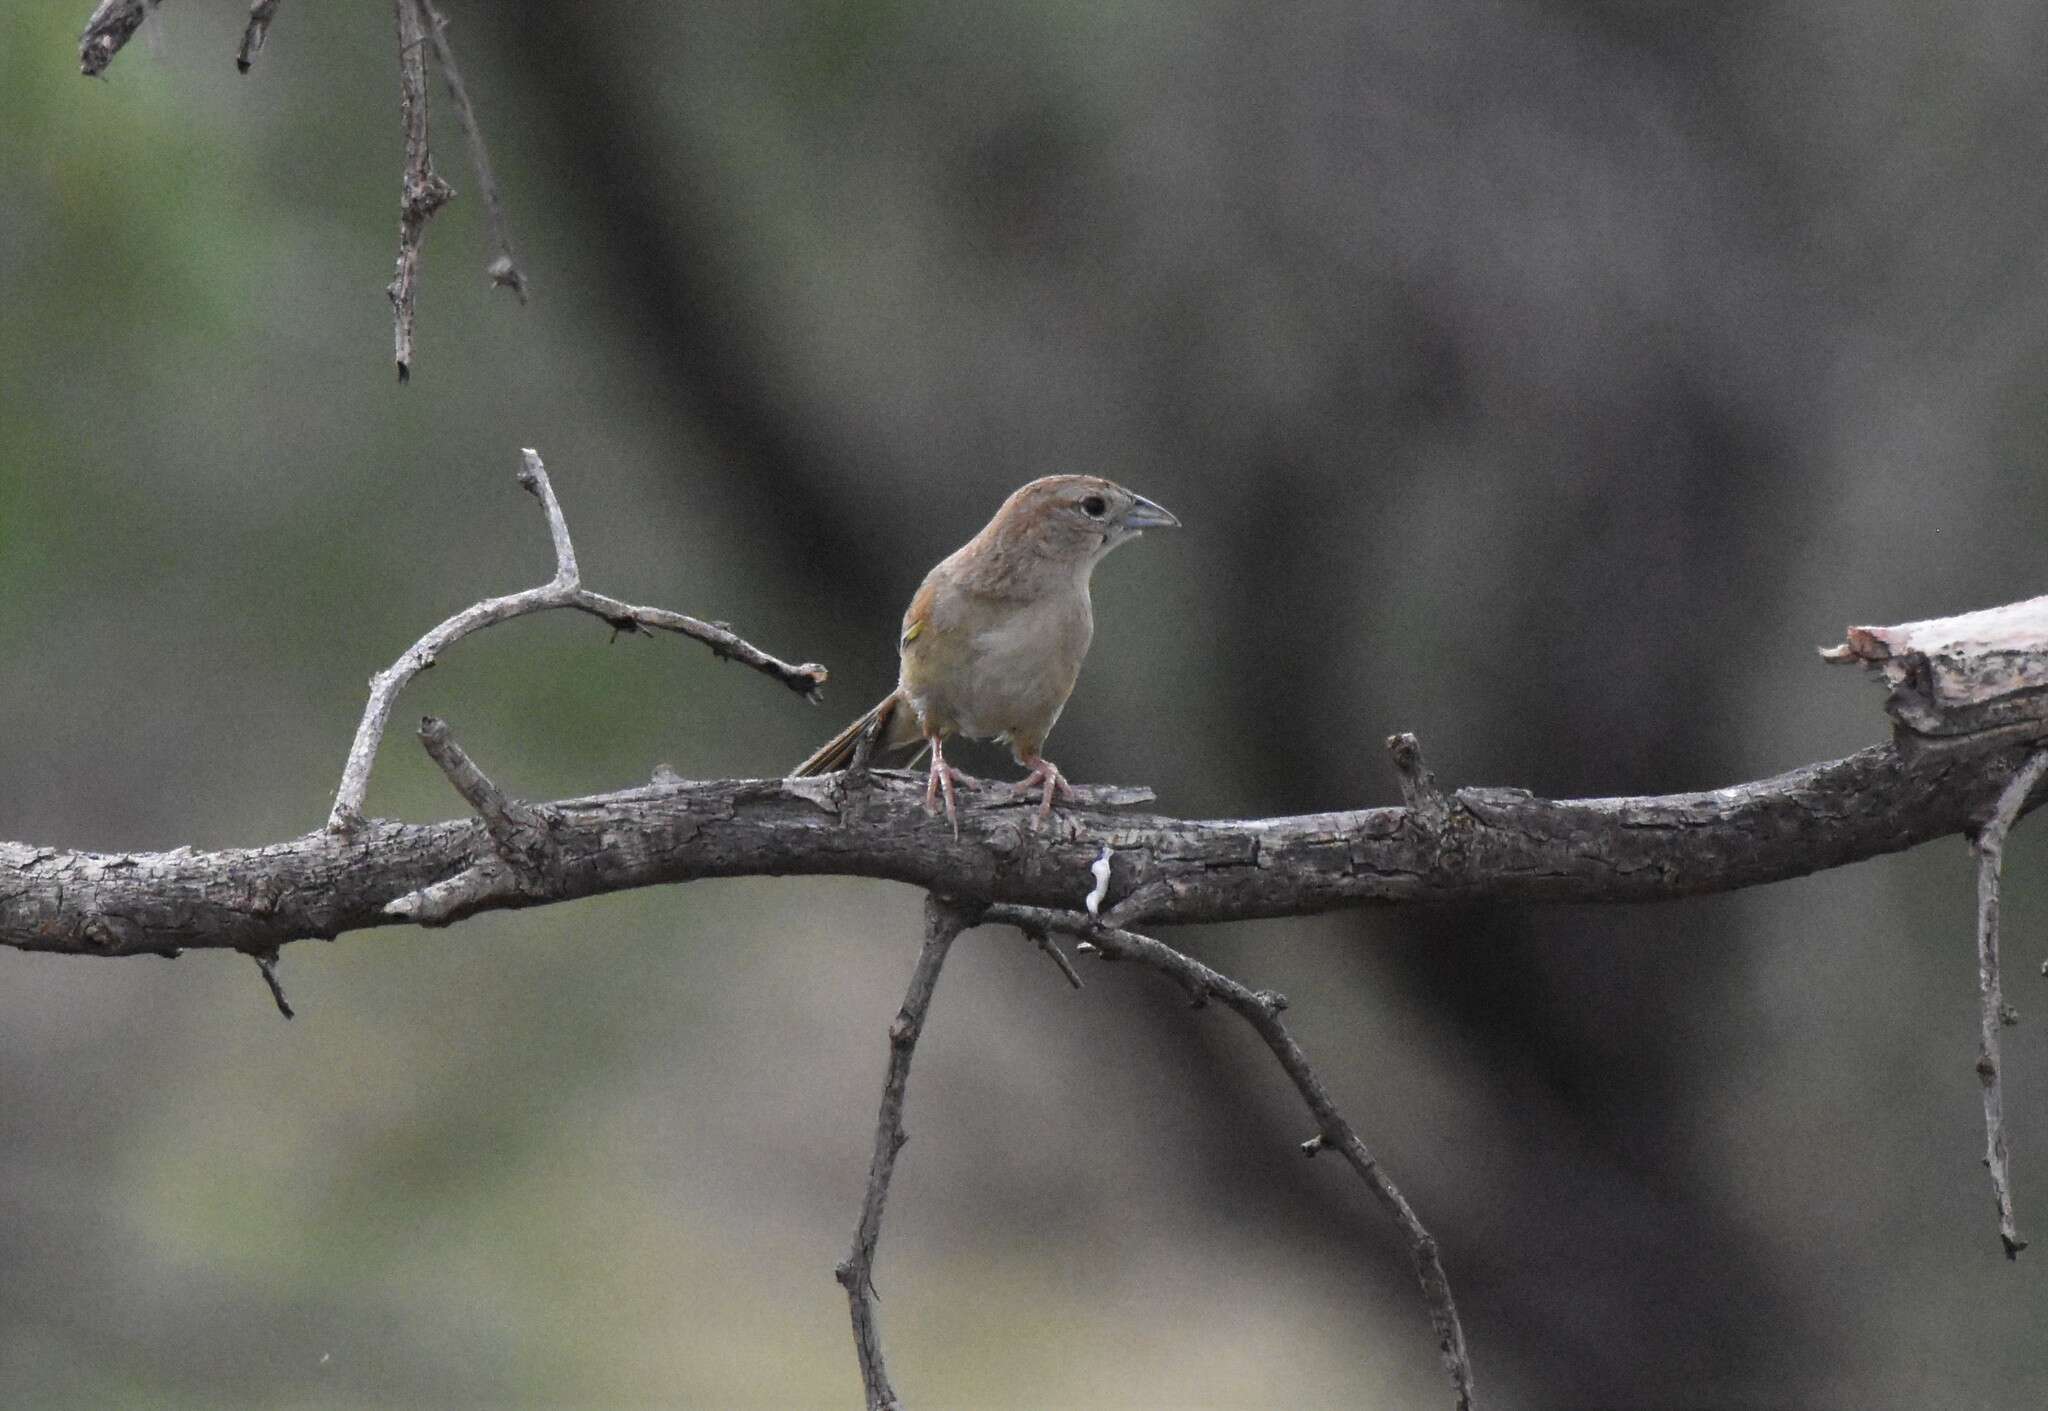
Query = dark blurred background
x=1545 y=378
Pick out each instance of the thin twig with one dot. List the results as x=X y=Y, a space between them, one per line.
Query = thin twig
x=1044 y=941
x=503 y=267
x=1261 y=1009
x=421 y=192
x=564 y=590
x=266 y=962
x=112 y=24
x=261 y=12
x=1989 y=844
x=943 y=922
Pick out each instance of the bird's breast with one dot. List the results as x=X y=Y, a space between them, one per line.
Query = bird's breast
x=1000 y=668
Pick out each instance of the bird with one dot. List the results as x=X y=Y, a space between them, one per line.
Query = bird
x=993 y=639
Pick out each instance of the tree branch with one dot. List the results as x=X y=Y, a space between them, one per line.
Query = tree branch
x=564 y=590
x=1510 y=845
x=107 y=30
x=421 y=191
x=503 y=267
x=943 y=922
x=1989 y=844
x=1261 y=1009
x=261 y=12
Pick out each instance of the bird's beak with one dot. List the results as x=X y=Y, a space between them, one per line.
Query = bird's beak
x=1143 y=514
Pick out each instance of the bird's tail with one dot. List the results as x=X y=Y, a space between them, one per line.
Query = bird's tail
x=894 y=727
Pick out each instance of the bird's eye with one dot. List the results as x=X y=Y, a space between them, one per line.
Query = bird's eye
x=1094 y=506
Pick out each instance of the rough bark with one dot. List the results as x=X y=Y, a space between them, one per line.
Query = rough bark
x=1486 y=843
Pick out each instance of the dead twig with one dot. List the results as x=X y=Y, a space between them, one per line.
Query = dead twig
x=266 y=965
x=260 y=15
x=1261 y=1009
x=564 y=590
x=421 y=191
x=1989 y=844
x=943 y=922
x=503 y=267
x=111 y=25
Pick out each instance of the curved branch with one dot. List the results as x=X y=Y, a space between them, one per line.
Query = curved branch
x=564 y=590
x=1493 y=844
x=1261 y=1009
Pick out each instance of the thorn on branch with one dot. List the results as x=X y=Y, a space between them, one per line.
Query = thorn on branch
x=1313 y=1145
x=266 y=963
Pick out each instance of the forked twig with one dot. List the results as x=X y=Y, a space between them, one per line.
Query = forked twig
x=1989 y=844
x=564 y=590
x=1261 y=1009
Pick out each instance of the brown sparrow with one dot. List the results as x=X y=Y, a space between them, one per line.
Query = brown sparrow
x=993 y=641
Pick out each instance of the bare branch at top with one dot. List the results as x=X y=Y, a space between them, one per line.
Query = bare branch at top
x=503 y=266
x=421 y=191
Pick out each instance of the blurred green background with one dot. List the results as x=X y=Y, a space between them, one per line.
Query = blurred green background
x=1545 y=378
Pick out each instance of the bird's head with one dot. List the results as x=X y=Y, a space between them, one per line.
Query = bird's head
x=1076 y=518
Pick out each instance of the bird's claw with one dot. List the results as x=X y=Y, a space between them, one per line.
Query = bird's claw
x=1045 y=776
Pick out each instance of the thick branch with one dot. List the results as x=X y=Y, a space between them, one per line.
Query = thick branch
x=1497 y=844
x=1261 y=1009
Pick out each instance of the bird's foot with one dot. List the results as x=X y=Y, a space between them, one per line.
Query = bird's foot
x=944 y=780
x=1045 y=776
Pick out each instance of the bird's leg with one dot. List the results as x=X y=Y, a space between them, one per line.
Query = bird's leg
x=1043 y=772
x=942 y=780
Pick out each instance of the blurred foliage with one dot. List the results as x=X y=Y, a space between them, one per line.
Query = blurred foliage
x=1545 y=378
